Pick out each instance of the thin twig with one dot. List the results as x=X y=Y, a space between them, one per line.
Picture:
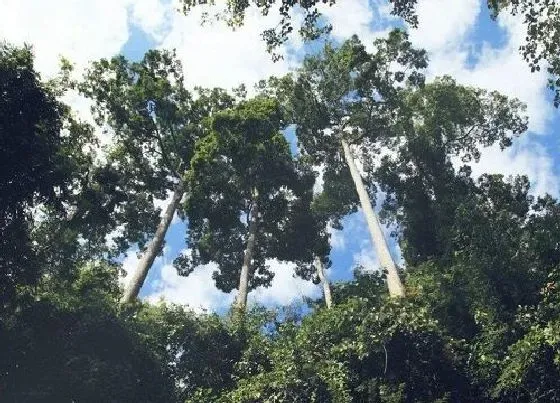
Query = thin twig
x=385 y=371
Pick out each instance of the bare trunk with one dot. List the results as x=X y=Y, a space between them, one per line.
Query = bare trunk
x=324 y=282
x=139 y=276
x=241 y=300
x=394 y=283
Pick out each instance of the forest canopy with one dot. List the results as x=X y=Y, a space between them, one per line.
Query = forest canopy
x=463 y=304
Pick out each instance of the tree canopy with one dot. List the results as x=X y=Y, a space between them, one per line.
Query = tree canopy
x=471 y=313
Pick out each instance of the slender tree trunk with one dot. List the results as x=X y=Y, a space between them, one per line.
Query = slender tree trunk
x=394 y=283
x=324 y=282
x=241 y=300
x=139 y=276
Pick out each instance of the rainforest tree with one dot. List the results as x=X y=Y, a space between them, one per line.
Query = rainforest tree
x=245 y=189
x=154 y=122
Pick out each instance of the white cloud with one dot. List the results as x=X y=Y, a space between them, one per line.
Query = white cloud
x=444 y=29
x=337 y=239
x=368 y=19
x=349 y=17
x=152 y=16
x=129 y=265
x=110 y=238
x=366 y=258
x=525 y=158
x=319 y=181
x=443 y=24
x=215 y=56
x=196 y=290
x=164 y=203
x=285 y=288
x=356 y=239
x=80 y=30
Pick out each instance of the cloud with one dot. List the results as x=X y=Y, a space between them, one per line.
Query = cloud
x=285 y=288
x=131 y=260
x=129 y=265
x=337 y=239
x=164 y=203
x=152 y=16
x=356 y=239
x=349 y=17
x=319 y=183
x=452 y=51
x=78 y=30
x=526 y=157
x=366 y=258
x=214 y=55
x=196 y=290
x=443 y=24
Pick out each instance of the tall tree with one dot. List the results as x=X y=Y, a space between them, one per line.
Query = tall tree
x=444 y=121
x=245 y=187
x=309 y=233
x=154 y=122
x=336 y=199
x=346 y=97
x=43 y=156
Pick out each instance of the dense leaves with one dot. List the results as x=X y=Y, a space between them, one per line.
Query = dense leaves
x=71 y=345
x=43 y=156
x=245 y=162
x=481 y=318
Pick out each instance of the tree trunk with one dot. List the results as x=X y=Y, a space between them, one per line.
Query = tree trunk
x=394 y=283
x=139 y=276
x=241 y=300
x=324 y=282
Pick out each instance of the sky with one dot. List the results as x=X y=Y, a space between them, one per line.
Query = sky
x=459 y=36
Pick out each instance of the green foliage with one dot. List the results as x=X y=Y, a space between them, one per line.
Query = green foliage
x=154 y=123
x=70 y=344
x=43 y=156
x=199 y=350
x=245 y=160
x=358 y=351
x=481 y=320
x=440 y=121
x=31 y=121
x=532 y=364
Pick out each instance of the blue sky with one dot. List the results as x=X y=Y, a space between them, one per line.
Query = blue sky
x=459 y=35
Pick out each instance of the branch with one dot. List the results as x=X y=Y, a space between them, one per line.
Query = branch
x=164 y=154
